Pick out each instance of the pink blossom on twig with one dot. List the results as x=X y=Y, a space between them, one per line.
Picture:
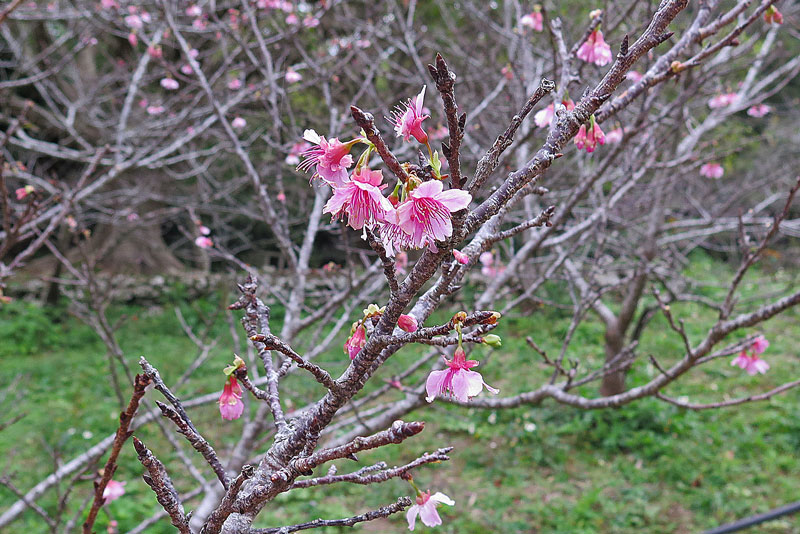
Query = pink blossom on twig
x=426 y=509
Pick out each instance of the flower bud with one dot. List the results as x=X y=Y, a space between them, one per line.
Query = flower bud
x=407 y=323
x=460 y=317
x=493 y=341
x=493 y=318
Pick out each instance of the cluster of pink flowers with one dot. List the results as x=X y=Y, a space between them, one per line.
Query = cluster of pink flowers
x=589 y=138
x=425 y=508
x=595 y=49
x=533 y=20
x=712 y=170
x=489 y=267
x=723 y=100
x=358 y=332
x=203 y=241
x=750 y=360
x=759 y=110
x=773 y=16
x=544 y=117
x=415 y=215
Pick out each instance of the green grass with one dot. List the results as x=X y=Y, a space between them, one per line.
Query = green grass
x=645 y=467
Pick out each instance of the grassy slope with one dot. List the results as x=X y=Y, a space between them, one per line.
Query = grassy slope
x=647 y=467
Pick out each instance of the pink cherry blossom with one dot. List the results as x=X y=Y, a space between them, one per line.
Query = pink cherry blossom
x=356 y=341
x=426 y=509
x=712 y=170
x=193 y=11
x=722 y=100
x=113 y=491
x=204 y=230
x=615 y=135
x=488 y=266
x=363 y=43
x=532 y=20
x=330 y=159
x=759 y=110
x=589 y=138
x=235 y=84
x=292 y=19
x=760 y=344
x=634 y=76
x=394 y=238
x=238 y=123
x=169 y=84
x=361 y=199
x=293 y=158
x=544 y=117
x=186 y=69
x=457 y=379
x=281 y=197
x=108 y=4
x=155 y=110
x=751 y=363
x=23 y=192
x=132 y=217
x=204 y=242
x=595 y=49
x=310 y=21
x=230 y=402
x=292 y=76
x=154 y=51
x=407 y=119
x=407 y=323
x=460 y=257
x=133 y=39
x=425 y=215
x=134 y=21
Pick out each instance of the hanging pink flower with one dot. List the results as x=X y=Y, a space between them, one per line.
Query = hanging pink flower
x=712 y=170
x=722 y=100
x=407 y=323
x=23 y=192
x=292 y=19
x=310 y=21
x=193 y=11
x=595 y=49
x=408 y=121
x=759 y=110
x=426 y=509
x=113 y=491
x=460 y=257
x=532 y=20
x=204 y=230
x=750 y=360
x=356 y=341
x=169 y=84
x=457 y=379
x=155 y=51
x=281 y=197
x=589 y=138
x=235 y=84
x=203 y=242
x=544 y=117
x=361 y=199
x=760 y=344
x=331 y=159
x=425 y=215
x=394 y=238
x=238 y=123
x=133 y=39
x=773 y=16
x=614 y=136
x=230 y=402
x=292 y=76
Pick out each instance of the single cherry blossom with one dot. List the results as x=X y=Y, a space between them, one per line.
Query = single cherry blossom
x=712 y=170
x=356 y=341
x=361 y=199
x=113 y=491
x=204 y=242
x=407 y=119
x=544 y=117
x=533 y=20
x=457 y=380
x=292 y=76
x=595 y=49
x=723 y=100
x=169 y=84
x=230 y=402
x=425 y=215
x=330 y=158
x=238 y=123
x=426 y=509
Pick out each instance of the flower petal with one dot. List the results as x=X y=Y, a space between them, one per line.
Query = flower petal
x=434 y=384
x=411 y=516
x=442 y=498
x=429 y=515
x=454 y=199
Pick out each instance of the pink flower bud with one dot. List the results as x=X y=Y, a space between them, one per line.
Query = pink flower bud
x=461 y=258
x=407 y=323
x=169 y=84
